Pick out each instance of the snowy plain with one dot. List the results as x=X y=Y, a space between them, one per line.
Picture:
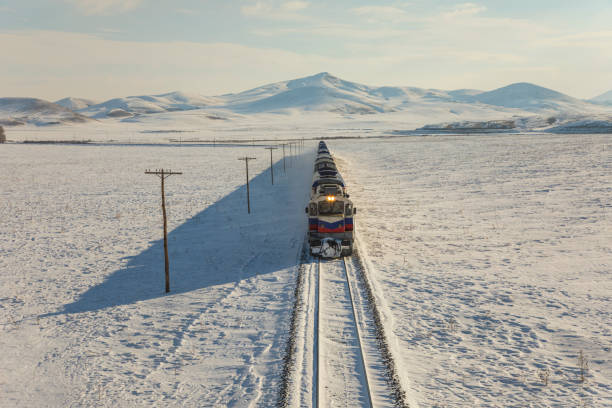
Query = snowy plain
x=85 y=321
x=490 y=255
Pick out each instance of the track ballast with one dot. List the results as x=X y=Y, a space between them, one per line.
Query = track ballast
x=337 y=358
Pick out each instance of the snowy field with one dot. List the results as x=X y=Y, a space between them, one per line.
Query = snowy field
x=84 y=318
x=492 y=256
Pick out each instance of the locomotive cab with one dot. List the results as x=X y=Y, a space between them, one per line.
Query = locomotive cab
x=330 y=223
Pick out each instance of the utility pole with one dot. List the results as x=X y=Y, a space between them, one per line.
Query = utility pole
x=292 y=149
x=271 y=165
x=163 y=175
x=246 y=161
x=284 y=166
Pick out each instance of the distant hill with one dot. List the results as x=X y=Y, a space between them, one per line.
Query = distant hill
x=324 y=92
x=584 y=126
x=532 y=98
x=19 y=111
x=137 y=105
x=603 y=99
x=75 y=103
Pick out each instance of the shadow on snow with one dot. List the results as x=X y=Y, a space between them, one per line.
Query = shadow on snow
x=220 y=244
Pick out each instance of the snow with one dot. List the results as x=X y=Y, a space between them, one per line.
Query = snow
x=605 y=98
x=147 y=104
x=324 y=96
x=584 y=126
x=19 y=111
x=75 y=103
x=341 y=366
x=491 y=256
x=84 y=317
x=531 y=97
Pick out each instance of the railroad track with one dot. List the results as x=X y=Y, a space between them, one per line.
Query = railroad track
x=341 y=372
x=348 y=364
x=337 y=353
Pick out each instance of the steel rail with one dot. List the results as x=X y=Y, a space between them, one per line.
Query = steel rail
x=365 y=371
x=317 y=334
x=316 y=331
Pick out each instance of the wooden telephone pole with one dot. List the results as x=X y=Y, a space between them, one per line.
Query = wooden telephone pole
x=271 y=165
x=163 y=175
x=246 y=161
x=284 y=166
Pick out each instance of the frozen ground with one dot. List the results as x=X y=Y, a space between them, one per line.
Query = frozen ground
x=84 y=319
x=492 y=257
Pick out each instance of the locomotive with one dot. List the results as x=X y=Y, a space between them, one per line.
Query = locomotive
x=330 y=211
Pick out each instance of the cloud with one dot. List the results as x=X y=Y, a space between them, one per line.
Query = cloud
x=384 y=14
x=382 y=11
x=589 y=39
x=294 y=5
x=288 y=10
x=104 y=7
x=338 y=31
x=463 y=9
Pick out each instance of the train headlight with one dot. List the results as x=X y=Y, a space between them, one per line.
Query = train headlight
x=331 y=198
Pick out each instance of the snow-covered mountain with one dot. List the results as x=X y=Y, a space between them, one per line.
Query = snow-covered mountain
x=19 y=111
x=75 y=103
x=329 y=93
x=324 y=92
x=532 y=98
x=603 y=99
x=136 y=105
x=318 y=92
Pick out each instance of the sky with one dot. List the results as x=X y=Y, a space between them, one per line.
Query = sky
x=99 y=49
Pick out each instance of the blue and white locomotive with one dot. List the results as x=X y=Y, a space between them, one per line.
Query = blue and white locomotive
x=330 y=211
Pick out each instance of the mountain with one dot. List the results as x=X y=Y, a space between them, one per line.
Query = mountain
x=19 y=111
x=75 y=103
x=137 y=105
x=532 y=98
x=324 y=92
x=603 y=99
x=321 y=92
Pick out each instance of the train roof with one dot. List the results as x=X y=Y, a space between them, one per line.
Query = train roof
x=335 y=181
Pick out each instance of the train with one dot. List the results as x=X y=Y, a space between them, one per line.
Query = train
x=331 y=214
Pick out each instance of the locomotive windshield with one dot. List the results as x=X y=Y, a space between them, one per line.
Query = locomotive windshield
x=330 y=190
x=331 y=207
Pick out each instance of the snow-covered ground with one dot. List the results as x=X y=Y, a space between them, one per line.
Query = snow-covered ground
x=84 y=318
x=492 y=257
